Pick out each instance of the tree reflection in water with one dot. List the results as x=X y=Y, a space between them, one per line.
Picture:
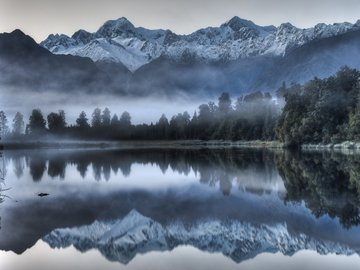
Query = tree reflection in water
x=214 y=167
x=2 y=179
x=328 y=182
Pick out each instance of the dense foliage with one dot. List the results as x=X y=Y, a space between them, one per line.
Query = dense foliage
x=322 y=111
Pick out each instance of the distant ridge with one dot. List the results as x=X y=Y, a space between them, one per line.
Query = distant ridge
x=238 y=56
x=121 y=42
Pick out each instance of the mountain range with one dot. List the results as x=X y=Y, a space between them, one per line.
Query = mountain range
x=238 y=56
x=121 y=240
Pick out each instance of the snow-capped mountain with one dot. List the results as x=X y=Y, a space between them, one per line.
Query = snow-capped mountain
x=238 y=57
x=121 y=42
x=121 y=240
x=115 y=41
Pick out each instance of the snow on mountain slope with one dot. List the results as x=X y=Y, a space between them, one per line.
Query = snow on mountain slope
x=120 y=41
x=122 y=239
x=116 y=41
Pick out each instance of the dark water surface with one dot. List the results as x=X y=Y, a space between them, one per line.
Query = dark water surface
x=179 y=209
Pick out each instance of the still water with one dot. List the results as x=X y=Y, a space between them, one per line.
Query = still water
x=179 y=209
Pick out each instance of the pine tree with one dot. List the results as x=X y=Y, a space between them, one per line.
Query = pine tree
x=82 y=121
x=4 y=129
x=114 y=121
x=125 y=119
x=18 y=124
x=96 y=118
x=37 y=123
x=106 y=117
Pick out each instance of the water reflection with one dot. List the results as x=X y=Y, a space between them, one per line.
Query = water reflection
x=121 y=240
x=214 y=167
x=2 y=180
x=110 y=200
x=328 y=182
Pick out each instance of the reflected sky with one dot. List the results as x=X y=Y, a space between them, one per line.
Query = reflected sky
x=157 y=169
x=41 y=255
x=187 y=186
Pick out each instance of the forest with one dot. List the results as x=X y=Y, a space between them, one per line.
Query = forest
x=320 y=111
x=252 y=116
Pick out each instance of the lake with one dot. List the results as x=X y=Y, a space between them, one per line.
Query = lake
x=180 y=208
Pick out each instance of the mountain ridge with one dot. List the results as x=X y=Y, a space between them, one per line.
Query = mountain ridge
x=25 y=64
x=170 y=76
x=121 y=42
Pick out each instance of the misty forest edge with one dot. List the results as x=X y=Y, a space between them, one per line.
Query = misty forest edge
x=322 y=111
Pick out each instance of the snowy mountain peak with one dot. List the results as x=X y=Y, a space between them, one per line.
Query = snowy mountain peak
x=115 y=28
x=82 y=36
x=119 y=41
x=237 y=24
x=58 y=43
x=287 y=27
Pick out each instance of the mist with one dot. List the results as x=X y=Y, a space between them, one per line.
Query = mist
x=142 y=109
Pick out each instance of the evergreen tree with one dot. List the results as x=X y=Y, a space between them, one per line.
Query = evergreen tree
x=354 y=123
x=281 y=92
x=239 y=103
x=82 y=121
x=56 y=121
x=37 y=123
x=18 y=124
x=125 y=120
x=106 y=117
x=4 y=129
x=114 y=121
x=96 y=118
x=204 y=113
x=163 y=127
x=224 y=104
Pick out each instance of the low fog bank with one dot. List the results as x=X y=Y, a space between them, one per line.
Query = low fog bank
x=253 y=116
x=142 y=109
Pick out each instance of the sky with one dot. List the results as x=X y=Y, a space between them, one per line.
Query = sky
x=39 y=18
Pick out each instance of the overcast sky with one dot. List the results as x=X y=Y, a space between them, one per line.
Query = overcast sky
x=39 y=18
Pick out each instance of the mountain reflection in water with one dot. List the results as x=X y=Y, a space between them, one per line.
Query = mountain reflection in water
x=141 y=200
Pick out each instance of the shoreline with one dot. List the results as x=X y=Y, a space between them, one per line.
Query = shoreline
x=13 y=145
x=256 y=144
x=346 y=145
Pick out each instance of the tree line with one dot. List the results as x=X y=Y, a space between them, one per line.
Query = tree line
x=322 y=110
x=250 y=117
